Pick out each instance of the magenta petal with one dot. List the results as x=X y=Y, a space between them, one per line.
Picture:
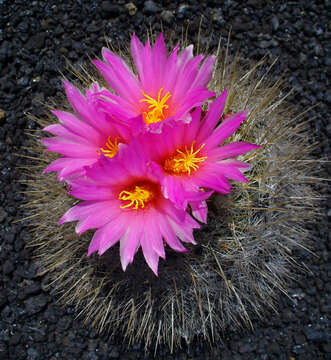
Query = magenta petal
x=105 y=215
x=118 y=77
x=196 y=98
x=213 y=116
x=169 y=235
x=230 y=171
x=92 y=192
x=112 y=233
x=159 y=52
x=130 y=243
x=155 y=237
x=67 y=135
x=81 y=128
x=199 y=210
x=191 y=129
x=205 y=72
x=173 y=190
x=82 y=210
x=70 y=149
x=151 y=257
x=137 y=51
x=234 y=149
x=68 y=166
x=104 y=238
x=213 y=180
x=183 y=231
x=224 y=130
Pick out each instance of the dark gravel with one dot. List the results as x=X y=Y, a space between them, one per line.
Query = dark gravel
x=34 y=39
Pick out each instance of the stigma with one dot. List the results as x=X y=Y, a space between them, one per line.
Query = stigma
x=137 y=198
x=155 y=111
x=185 y=161
x=110 y=149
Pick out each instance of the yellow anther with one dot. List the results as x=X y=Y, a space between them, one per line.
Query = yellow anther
x=185 y=161
x=136 y=198
x=111 y=148
x=156 y=107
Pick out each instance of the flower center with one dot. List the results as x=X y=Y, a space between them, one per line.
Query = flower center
x=184 y=161
x=156 y=107
x=111 y=148
x=139 y=196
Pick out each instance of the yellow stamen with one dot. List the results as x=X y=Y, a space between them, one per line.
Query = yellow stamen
x=156 y=107
x=137 y=198
x=185 y=161
x=111 y=148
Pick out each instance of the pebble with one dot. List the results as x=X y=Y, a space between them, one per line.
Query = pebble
x=3 y=214
x=167 y=16
x=150 y=7
x=109 y=9
x=35 y=304
x=275 y=23
x=131 y=8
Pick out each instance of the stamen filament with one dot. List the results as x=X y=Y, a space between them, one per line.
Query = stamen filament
x=156 y=107
x=112 y=148
x=185 y=161
x=136 y=198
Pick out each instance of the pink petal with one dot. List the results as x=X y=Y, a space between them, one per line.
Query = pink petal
x=199 y=210
x=61 y=131
x=159 y=55
x=225 y=129
x=151 y=257
x=118 y=76
x=66 y=167
x=234 y=149
x=86 y=110
x=93 y=221
x=173 y=190
x=137 y=51
x=81 y=128
x=115 y=106
x=113 y=232
x=153 y=233
x=210 y=179
x=185 y=233
x=170 y=80
x=169 y=235
x=83 y=209
x=230 y=170
x=205 y=72
x=195 y=98
x=213 y=116
x=92 y=192
x=188 y=75
x=70 y=149
x=191 y=129
x=130 y=243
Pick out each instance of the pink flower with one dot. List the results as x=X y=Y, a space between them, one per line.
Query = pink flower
x=122 y=199
x=166 y=86
x=187 y=157
x=82 y=137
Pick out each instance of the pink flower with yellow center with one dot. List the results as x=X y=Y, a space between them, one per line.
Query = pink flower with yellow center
x=82 y=136
x=188 y=157
x=164 y=87
x=123 y=200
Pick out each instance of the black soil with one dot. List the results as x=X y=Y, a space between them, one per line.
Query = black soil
x=35 y=38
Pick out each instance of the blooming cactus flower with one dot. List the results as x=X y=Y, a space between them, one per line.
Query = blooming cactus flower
x=122 y=199
x=82 y=137
x=165 y=87
x=187 y=157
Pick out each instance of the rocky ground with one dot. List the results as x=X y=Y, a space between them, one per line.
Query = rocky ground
x=35 y=38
